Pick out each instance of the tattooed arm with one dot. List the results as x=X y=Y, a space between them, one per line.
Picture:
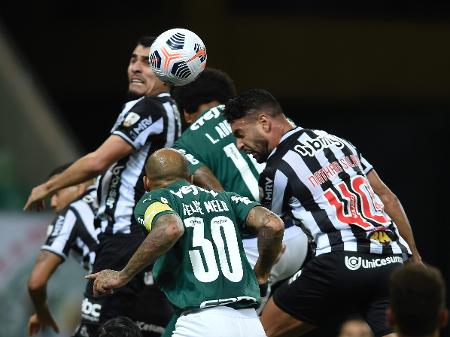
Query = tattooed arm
x=46 y=264
x=166 y=230
x=270 y=229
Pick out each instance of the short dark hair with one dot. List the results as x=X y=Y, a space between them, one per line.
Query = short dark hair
x=417 y=296
x=249 y=102
x=120 y=326
x=211 y=85
x=59 y=169
x=145 y=40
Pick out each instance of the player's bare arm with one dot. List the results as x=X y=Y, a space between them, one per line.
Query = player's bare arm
x=270 y=229
x=203 y=177
x=166 y=230
x=46 y=264
x=394 y=209
x=85 y=168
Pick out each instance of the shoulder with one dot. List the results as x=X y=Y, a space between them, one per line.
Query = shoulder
x=153 y=106
x=160 y=195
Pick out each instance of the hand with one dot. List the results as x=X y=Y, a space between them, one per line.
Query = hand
x=105 y=281
x=36 y=323
x=36 y=199
x=416 y=259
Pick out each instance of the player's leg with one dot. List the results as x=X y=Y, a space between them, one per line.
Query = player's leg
x=277 y=322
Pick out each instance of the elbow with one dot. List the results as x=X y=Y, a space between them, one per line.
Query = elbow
x=389 y=198
x=174 y=231
x=278 y=227
x=35 y=285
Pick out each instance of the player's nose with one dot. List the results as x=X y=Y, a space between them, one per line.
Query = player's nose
x=136 y=67
x=239 y=144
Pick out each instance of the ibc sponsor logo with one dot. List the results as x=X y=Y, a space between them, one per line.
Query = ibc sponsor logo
x=90 y=310
x=356 y=262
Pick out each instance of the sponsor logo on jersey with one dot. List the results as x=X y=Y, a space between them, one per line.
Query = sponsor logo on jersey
x=90 y=310
x=150 y=327
x=310 y=147
x=188 y=189
x=131 y=119
x=143 y=124
x=268 y=189
x=239 y=199
x=357 y=262
x=225 y=301
x=211 y=114
x=113 y=190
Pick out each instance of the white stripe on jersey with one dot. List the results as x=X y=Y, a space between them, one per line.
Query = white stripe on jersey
x=126 y=201
x=78 y=219
x=281 y=181
x=310 y=155
x=63 y=229
x=173 y=118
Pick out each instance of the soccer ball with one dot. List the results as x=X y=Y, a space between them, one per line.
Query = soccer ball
x=177 y=56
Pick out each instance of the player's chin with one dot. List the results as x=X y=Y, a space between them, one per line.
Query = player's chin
x=136 y=90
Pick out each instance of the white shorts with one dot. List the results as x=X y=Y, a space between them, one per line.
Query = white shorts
x=292 y=259
x=219 y=321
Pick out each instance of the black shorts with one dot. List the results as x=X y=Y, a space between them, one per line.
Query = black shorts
x=338 y=284
x=144 y=304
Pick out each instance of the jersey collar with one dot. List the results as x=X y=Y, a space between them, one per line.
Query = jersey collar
x=283 y=138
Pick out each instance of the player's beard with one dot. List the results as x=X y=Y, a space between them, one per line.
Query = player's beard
x=132 y=95
x=263 y=150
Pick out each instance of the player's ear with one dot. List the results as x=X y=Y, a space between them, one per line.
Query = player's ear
x=265 y=122
x=146 y=183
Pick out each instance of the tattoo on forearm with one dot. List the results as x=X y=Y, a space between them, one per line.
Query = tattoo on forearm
x=155 y=244
x=269 y=242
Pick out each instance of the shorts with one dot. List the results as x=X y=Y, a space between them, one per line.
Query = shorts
x=290 y=261
x=338 y=284
x=145 y=304
x=221 y=321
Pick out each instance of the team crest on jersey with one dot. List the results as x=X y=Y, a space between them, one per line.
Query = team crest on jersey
x=131 y=119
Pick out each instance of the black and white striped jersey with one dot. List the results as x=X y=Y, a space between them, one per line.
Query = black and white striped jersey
x=73 y=230
x=147 y=124
x=321 y=180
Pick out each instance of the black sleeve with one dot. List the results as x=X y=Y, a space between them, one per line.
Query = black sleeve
x=144 y=119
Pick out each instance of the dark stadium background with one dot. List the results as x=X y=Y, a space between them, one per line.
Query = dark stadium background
x=374 y=72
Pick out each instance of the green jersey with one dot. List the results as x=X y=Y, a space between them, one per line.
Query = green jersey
x=207 y=266
x=210 y=142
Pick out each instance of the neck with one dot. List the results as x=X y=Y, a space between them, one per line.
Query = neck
x=164 y=183
x=279 y=128
x=159 y=90
x=192 y=117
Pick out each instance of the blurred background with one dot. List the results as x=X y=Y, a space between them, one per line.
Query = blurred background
x=374 y=72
